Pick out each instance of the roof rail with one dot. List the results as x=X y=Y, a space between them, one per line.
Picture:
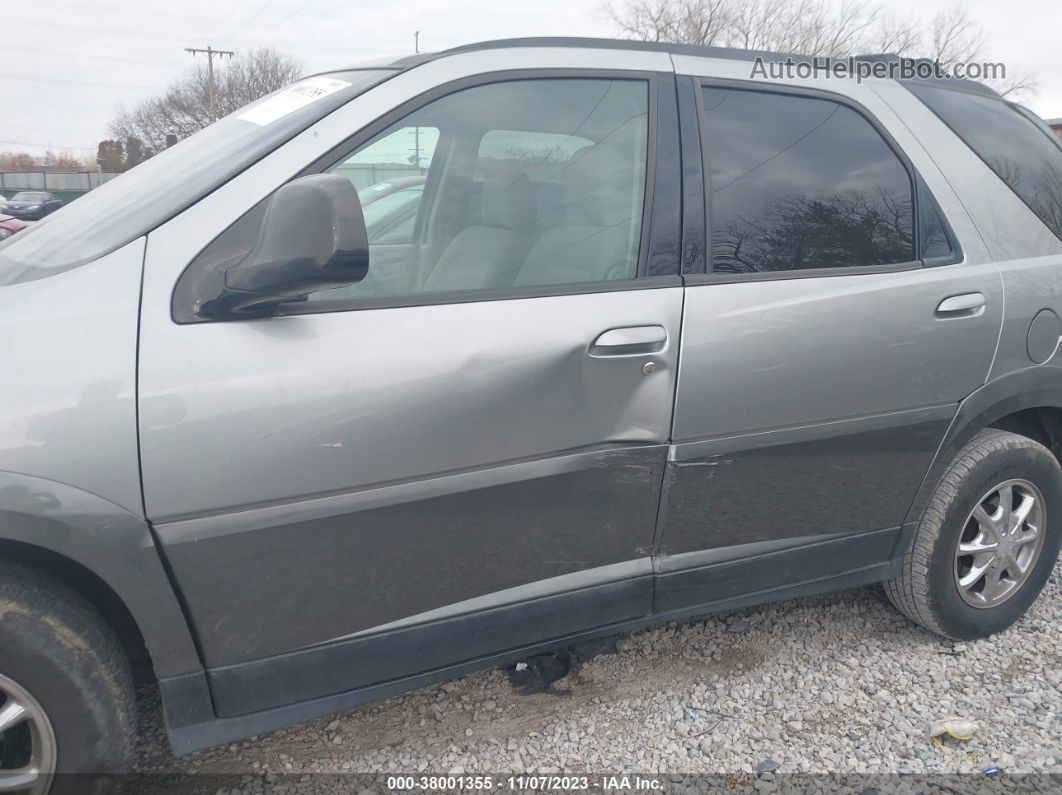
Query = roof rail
x=681 y=49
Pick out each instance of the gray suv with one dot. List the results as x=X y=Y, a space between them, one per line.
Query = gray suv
x=656 y=338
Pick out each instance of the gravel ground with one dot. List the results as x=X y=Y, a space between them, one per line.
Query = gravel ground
x=838 y=683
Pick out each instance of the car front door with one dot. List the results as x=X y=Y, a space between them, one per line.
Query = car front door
x=825 y=351
x=461 y=454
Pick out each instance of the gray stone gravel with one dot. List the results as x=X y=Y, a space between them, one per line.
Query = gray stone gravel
x=837 y=683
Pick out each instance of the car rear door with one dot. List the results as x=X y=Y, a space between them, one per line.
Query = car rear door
x=393 y=477
x=825 y=350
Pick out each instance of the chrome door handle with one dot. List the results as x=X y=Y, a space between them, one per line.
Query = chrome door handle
x=629 y=341
x=963 y=305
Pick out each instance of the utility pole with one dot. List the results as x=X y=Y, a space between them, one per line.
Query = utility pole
x=210 y=53
x=416 y=41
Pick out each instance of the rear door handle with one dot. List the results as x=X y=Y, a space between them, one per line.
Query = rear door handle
x=964 y=305
x=630 y=341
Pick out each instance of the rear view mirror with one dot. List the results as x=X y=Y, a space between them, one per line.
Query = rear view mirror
x=312 y=238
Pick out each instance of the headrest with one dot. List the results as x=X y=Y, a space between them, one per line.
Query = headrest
x=598 y=187
x=507 y=201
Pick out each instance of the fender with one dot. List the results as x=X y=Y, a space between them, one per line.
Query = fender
x=115 y=545
x=1032 y=387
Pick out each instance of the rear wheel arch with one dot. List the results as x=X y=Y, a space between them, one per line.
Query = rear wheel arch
x=1027 y=402
x=1041 y=423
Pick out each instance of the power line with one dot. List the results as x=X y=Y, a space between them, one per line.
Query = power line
x=210 y=53
x=71 y=80
x=102 y=30
x=248 y=20
x=294 y=13
x=95 y=56
x=95 y=6
x=47 y=146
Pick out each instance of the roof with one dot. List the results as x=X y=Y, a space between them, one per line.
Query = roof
x=674 y=48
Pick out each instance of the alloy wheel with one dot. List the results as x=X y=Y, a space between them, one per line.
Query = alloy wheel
x=1000 y=543
x=27 y=741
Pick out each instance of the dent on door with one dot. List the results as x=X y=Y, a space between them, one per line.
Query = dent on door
x=360 y=476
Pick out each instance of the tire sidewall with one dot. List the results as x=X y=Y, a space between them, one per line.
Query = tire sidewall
x=1030 y=462
x=63 y=681
x=55 y=646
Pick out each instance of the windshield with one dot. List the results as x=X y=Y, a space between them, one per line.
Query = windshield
x=146 y=196
x=29 y=196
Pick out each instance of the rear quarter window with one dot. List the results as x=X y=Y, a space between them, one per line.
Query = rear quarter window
x=1021 y=154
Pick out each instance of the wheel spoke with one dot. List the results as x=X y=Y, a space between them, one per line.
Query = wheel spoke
x=1029 y=536
x=1021 y=513
x=975 y=573
x=992 y=583
x=1006 y=505
x=977 y=547
x=18 y=780
x=11 y=714
x=1014 y=567
x=987 y=523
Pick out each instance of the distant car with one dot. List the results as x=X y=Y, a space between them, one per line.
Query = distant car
x=374 y=193
x=31 y=205
x=10 y=225
x=390 y=219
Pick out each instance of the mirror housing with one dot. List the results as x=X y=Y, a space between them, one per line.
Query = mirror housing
x=312 y=238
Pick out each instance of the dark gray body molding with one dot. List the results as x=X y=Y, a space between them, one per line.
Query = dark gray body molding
x=1029 y=388
x=355 y=562
x=115 y=545
x=798 y=482
x=181 y=694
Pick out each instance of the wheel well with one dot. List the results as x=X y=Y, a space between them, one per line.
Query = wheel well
x=89 y=585
x=1044 y=424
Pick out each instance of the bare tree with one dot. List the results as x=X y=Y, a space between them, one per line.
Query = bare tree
x=1016 y=87
x=814 y=27
x=687 y=21
x=895 y=35
x=184 y=107
x=834 y=28
x=954 y=37
x=17 y=161
x=63 y=161
x=254 y=74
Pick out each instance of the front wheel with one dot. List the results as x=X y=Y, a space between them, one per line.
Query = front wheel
x=987 y=541
x=66 y=692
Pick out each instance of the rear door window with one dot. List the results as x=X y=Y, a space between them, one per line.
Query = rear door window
x=802 y=183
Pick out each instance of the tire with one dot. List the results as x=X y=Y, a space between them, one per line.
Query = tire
x=58 y=656
x=929 y=588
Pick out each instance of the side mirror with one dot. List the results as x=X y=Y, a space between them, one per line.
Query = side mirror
x=312 y=238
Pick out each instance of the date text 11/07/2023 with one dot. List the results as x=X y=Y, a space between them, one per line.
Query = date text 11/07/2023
x=543 y=783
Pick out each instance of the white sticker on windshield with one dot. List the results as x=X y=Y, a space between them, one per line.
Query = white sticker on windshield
x=291 y=99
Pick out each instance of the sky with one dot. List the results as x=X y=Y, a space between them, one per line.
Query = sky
x=68 y=65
